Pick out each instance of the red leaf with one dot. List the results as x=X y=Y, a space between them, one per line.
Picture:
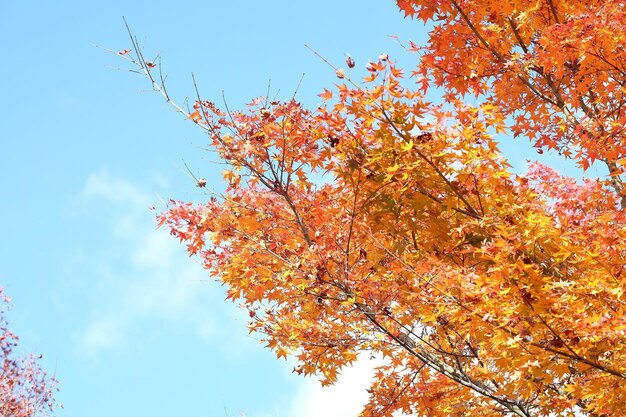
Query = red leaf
x=350 y=62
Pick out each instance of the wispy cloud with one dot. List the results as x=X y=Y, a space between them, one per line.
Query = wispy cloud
x=151 y=280
x=103 y=333
x=345 y=398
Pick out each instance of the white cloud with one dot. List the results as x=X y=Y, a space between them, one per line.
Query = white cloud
x=155 y=251
x=345 y=398
x=104 y=186
x=102 y=334
x=148 y=278
x=206 y=331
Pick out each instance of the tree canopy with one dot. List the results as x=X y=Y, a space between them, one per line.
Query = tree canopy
x=384 y=224
x=25 y=390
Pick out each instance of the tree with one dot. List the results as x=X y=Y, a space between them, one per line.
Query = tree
x=25 y=390
x=385 y=224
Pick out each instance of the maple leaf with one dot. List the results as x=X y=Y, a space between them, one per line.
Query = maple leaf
x=326 y=95
x=350 y=62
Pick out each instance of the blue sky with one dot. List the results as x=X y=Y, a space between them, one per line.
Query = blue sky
x=127 y=322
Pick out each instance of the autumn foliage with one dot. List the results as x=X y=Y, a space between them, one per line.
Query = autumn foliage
x=557 y=67
x=25 y=390
x=383 y=224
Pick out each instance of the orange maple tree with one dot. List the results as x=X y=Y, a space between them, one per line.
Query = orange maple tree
x=385 y=224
